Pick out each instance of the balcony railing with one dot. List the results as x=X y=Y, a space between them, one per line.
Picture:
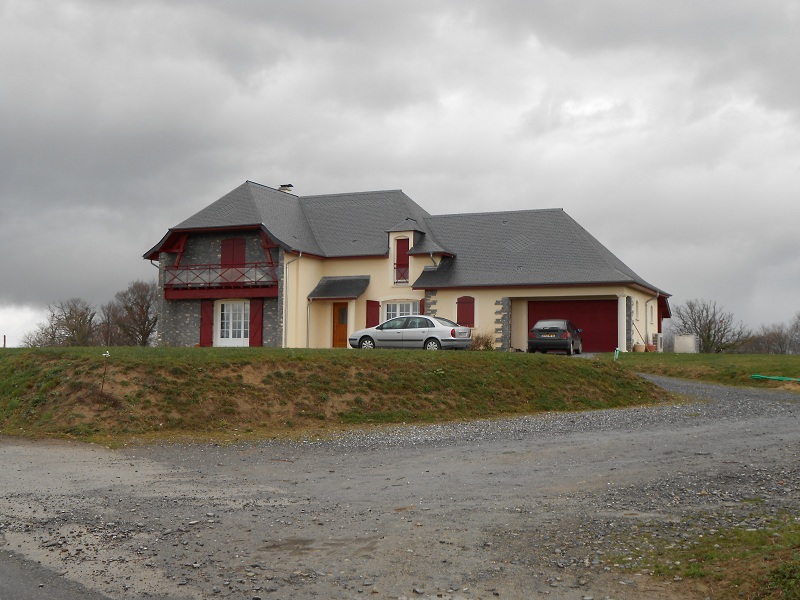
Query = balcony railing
x=400 y=274
x=214 y=276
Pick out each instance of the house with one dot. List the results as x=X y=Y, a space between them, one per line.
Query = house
x=265 y=267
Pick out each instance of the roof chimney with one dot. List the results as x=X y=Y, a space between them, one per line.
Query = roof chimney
x=285 y=187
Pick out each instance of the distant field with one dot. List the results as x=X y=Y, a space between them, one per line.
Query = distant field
x=728 y=369
x=235 y=393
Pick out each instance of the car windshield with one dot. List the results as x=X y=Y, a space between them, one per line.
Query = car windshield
x=446 y=322
x=550 y=324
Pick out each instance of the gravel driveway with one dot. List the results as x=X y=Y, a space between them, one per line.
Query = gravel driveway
x=531 y=507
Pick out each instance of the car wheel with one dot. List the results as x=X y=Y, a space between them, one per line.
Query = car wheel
x=571 y=350
x=433 y=344
x=366 y=343
x=579 y=349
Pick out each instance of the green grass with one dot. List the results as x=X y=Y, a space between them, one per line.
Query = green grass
x=733 y=562
x=77 y=392
x=727 y=369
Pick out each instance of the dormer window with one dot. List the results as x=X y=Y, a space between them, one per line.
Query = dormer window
x=401 y=261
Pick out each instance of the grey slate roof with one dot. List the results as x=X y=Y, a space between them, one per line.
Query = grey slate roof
x=330 y=225
x=521 y=248
x=351 y=286
x=252 y=204
x=357 y=224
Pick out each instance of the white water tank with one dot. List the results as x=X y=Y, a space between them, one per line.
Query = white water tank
x=687 y=344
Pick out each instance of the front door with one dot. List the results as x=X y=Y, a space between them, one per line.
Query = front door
x=340 y=324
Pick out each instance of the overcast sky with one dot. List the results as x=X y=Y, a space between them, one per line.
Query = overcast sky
x=669 y=130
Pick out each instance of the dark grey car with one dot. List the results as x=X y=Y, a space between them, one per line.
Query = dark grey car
x=555 y=334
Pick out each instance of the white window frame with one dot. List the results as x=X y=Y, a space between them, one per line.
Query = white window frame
x=400 y=308
x=232 y=323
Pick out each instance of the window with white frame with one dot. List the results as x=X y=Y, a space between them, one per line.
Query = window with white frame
x=400 y=309
x=232 y=323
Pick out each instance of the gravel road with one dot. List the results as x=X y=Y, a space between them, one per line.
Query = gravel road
x=552 y=506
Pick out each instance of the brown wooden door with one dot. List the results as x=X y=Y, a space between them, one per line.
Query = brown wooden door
x=340 y=324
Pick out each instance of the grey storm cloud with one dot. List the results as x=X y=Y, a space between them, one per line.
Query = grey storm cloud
x=667 y=130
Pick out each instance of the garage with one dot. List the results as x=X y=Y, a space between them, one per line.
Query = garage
x=597 y=318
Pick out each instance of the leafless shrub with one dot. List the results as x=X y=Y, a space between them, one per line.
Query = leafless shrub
x=482 y=341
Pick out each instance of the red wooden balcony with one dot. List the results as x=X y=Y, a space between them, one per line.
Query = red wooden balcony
x=194 y=277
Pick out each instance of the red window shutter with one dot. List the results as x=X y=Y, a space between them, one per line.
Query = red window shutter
x=232 y=252
x=206 y=322
x=465 y=309
x=257 y=322
x=422 y=306
x=373 y=313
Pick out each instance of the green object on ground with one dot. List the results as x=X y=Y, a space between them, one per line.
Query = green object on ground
x=774 y=377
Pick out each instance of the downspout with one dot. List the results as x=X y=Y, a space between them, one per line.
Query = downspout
x=308 y=323
x=433 y=260
x=286 y=298
x=647 y=318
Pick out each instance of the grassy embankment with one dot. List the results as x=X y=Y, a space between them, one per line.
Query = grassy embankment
x=235 y=393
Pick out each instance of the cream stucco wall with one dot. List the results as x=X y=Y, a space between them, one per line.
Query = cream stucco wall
x=644 y=316
x=311 y=323
x=486 y=309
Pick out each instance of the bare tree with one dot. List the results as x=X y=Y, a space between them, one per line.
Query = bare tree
x=75 y=318
x=770 y=339
x=70 y=323
x=715 y=328
x=109 y=332
x=45 y=334
x=138 y=312
x=794 y=335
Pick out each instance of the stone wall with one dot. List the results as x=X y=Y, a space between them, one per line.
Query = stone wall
x=179 y=323
x=179 y=320
x=502 y=323
x=430 y=303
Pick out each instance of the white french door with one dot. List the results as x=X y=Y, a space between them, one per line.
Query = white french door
x=232 y=323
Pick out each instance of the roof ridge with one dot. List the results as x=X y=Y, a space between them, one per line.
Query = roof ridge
x=250 y=181
x=500 y=212
x=351 y=193
x=311 y=227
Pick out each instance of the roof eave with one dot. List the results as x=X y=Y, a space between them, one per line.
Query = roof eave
x=153 y=253
x=541 y=285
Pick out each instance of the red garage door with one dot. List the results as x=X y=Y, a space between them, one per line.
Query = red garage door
x=597 y=318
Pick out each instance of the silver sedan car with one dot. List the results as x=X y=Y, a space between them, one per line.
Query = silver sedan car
x=415 y=331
